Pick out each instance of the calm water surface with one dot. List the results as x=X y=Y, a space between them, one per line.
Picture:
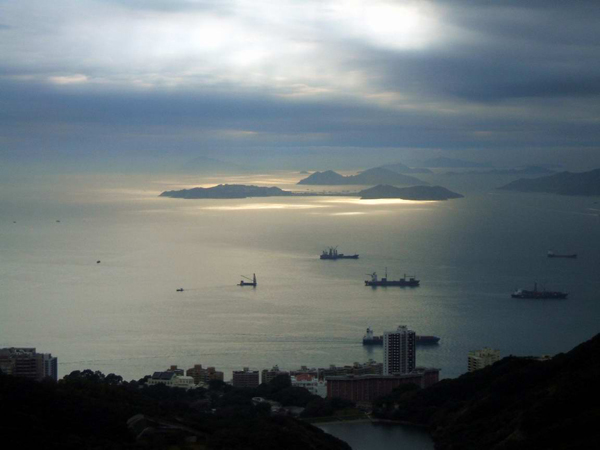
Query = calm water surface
x=125 y=316
x=369 y=436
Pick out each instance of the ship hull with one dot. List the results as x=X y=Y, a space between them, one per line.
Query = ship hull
x=541 y=295
x=339 y=257
x=400 y=283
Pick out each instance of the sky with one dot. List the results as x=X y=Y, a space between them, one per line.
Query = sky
x=164 y=81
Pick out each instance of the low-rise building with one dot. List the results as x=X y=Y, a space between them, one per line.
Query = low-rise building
x=171 y=379
x=310 y=383
x=478 y=359
x=26 y=362
x=366 y=388
x=245 y=378
x=204 y=375
x=268 y=375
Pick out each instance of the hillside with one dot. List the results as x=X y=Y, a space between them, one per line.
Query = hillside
x=88 y=410
x=563 y=183
x=375 y=176
x=227 y=191
x=409 y=193
x=516 y=404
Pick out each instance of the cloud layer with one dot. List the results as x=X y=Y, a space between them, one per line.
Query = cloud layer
x=84 y=77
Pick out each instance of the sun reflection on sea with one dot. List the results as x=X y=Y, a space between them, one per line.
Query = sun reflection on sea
x=377 y=202
x=260 y=206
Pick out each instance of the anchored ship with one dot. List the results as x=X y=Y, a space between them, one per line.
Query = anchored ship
x=251 y=282
x=409 y=281
x=551 y=254
x=370 y=339
x=332 y=253
x=523 y=293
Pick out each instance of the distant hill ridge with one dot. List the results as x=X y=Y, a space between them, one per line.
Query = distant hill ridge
x=403 y=168
x=563 y=183
x=375 y=176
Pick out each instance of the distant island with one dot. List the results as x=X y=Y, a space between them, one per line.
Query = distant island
x=375 y=176
x=443 y=162
x=233 y=191
x=563 y=183
x=227 y=191
x=408 y=193
x=403 y=168
x=529 y=170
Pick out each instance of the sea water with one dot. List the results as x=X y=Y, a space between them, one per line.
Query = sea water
x=123 y=314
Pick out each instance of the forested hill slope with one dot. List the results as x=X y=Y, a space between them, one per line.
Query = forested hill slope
x=516 y=404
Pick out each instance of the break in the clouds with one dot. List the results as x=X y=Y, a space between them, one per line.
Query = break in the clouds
x=186 y=76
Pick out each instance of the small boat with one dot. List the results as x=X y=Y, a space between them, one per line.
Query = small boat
x=98 y=262
x=252 y=281
x=180 y=290
x=523 y=293
x=551 y=254
x=410 y=281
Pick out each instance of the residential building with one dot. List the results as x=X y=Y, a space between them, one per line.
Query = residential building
x=171 y=379
x=399 y=351
x=245 y=378
x=366 y=388
x=204 y=375
x=268 y=375
x=310 y=383
x=26 y=362
x=478 y=359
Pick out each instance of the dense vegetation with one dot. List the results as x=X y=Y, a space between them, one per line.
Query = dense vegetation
x=90 y=410
x=516 y=404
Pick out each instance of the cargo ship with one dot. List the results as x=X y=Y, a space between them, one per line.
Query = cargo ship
x=332 y=253
x=409 y=281
x=523 y=293
x=370 y=339
x=551 y=254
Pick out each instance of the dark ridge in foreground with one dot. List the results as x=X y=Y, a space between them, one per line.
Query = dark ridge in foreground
x=410 y=193
x=563 y=183
x=227 y=191
x=88 y=410
x=375 y=176
x=516 y=404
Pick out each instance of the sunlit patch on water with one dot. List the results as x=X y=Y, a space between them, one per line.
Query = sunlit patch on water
x=259 y=206
x=350 y=213
x=377 y=202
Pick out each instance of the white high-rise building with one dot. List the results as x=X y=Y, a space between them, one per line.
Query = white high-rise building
x=399 y=354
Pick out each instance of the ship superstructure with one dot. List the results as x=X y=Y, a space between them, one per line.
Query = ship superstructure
x=332 y=253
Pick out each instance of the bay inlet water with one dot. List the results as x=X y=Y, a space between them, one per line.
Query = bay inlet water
x=123 y=315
